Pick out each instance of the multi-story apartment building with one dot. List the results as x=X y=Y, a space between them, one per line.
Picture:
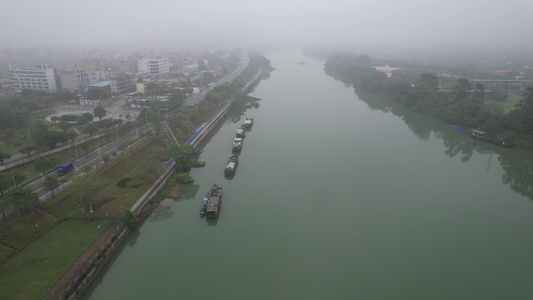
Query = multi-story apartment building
x=122 y=84
x=74 y=80
x=154 y=66
x=126 y=66
x=39 y=78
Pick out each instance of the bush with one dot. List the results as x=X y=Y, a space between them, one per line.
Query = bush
x=185 y=178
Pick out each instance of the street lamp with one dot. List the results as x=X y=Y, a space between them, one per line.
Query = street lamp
x=13 y=176
x=42 y=176
x=116 y=131
x=76 y=150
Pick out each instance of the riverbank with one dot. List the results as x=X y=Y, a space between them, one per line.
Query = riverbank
x=464 y=104
x=84 y=272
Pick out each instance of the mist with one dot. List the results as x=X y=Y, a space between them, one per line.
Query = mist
x=167 y=23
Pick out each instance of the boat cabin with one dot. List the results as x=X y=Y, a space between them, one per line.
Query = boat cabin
x=231 y=166
x=479 y=133
x=241 y=133
x=248 y=123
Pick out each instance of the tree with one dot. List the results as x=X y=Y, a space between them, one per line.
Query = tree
x=55 y=161
x=5 y=182
x=21 y=197
x=85 y=146
x=157 y=119
x=50 y=184
x=106 y=158
x=91 y=128
x=184 y=156
x=4 y=157
x=87 y=169
x=151 y=88
x=461 y=90
x=143 y=116
x=63 y=125
x=522 y=116
x=43 y=136
x=130 y=219
x=4 y=205
x=430 y=80
x=18 y=176
x=363 y=60
x=99 y=112
x=87 y=190
x=27 y=149
x=82 y=120
x=175 y=100
x=41 y=164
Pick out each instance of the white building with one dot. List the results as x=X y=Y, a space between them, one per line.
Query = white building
x=154 y=66
x=38 y=78
x=75 y=79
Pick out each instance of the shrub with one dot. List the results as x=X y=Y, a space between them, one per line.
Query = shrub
x=185 y=178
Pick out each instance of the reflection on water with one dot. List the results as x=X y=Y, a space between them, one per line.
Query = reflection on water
x=161 y=213
x=518 y=174
x=189 y=191
x=212 y=222
x=518 y=169
x=133 y=236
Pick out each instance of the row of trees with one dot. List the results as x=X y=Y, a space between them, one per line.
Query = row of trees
x=464 y=104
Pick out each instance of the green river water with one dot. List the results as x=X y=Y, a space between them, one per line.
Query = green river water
x=337 y=197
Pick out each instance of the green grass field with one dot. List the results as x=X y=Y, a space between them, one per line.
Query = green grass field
x=38 y=247
x=507 y=106
x=47 y=259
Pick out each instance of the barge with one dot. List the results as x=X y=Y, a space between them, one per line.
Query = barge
x=241 y=133
x=236 y=146
x=214 y=202
x=483 y=136
x=233 y=162
x=248 y=123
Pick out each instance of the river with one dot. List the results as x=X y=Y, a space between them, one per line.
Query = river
x=338 y=197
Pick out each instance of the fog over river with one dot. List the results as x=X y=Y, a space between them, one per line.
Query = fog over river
x=337 y=197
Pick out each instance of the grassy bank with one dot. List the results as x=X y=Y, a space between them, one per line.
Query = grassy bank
x=38 y=247
x=35 y=270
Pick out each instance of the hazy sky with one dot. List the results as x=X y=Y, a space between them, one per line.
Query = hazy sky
x=175 y=23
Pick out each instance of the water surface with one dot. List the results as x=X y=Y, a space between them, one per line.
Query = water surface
x=337 y=197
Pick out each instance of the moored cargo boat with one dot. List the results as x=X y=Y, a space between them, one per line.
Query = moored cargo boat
x=483 y=136
x=241 y=133
x=236 y=146
x=233 y=162
x=248 y=123
x=214 y=202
